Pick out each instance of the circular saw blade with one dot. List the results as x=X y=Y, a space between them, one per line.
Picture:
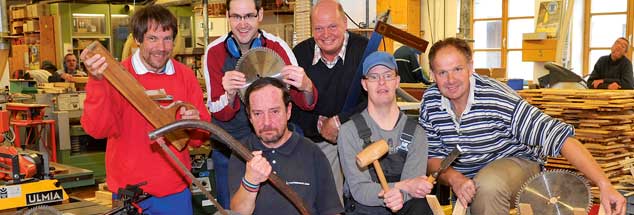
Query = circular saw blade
x=555 y=192
x=258 y=63
x=42 y=210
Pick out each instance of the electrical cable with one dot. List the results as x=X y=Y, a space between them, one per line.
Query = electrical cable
x=353 y=22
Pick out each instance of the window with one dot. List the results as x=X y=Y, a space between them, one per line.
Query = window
x=607 y=22
x=498 y=26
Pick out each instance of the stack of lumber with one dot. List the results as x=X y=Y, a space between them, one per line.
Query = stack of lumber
x=60 y=87
x=603 y=121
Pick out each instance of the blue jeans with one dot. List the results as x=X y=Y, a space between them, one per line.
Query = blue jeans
x=221 y=174
x=178 y=203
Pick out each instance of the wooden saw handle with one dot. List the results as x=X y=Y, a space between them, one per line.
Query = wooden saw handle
x=237 y=148
x=132 y=91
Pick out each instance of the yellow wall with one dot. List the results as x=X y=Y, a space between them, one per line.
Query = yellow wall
x=405 y=14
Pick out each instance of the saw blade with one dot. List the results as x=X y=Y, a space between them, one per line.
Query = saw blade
x=258 y=63
x=555 y=192
x=42 y=210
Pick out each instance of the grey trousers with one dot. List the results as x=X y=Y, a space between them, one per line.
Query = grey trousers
x=330 y=150
x=498 y=184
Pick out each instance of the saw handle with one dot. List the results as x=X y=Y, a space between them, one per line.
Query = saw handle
x=431 y=179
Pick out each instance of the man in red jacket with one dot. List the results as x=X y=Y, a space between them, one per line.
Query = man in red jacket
x=224 y=82
x=131 y=157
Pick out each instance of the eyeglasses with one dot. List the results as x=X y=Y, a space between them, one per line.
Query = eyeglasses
x=388 y=76
x=248 y=17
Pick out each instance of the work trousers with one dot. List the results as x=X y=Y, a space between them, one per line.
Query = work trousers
x=498 y=183
x=414 y=206
x=330 y=150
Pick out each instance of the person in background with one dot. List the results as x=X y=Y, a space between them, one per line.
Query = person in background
x=505 y=138
x=52 y=69
x=223 y=81
x=408 y=68
x=279 y=151
x=405 y=163
x=44 y=74
x=330 y=58
x=71 y=68
x=131 y=157
x=613 y=71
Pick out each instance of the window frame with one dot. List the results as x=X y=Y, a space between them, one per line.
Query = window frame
x=504 y=47
x=629 y=12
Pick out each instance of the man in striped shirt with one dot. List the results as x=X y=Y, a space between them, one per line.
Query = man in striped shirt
x=505 y=139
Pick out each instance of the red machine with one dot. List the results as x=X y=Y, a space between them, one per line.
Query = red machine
x=32 y=116
x=26 y=164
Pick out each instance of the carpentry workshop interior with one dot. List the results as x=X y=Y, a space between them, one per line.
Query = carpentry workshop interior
x=79 y=137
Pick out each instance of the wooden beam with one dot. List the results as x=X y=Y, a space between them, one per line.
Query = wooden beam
x=401 y=36
x=525 y=209
x=132 y=90
x=435 y=205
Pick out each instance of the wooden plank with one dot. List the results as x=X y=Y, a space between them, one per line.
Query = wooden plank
x=525 y=209
x=401 y=36
x=130 y=88
x=72 y=205
x=435 y=205
x=458 y=209
x=579 y=211
x=92 y=210
x=47 y=39
x=4 y=58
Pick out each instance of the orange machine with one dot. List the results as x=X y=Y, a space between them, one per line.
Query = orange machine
x=32 y=115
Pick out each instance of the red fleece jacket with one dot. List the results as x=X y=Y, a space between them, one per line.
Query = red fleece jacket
x=131 y=157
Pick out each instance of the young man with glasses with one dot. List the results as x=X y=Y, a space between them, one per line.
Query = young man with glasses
x=406 y=161
x=223 y=82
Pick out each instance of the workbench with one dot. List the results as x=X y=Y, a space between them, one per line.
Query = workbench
x=74 y=208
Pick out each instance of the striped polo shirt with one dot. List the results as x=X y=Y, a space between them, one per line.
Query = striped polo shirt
x=496 y=123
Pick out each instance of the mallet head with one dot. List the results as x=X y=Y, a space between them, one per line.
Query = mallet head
x=371 y=153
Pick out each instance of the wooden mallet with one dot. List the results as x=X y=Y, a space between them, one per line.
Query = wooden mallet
x=371 y=154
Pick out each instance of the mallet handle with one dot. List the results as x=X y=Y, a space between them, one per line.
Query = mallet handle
x=379 y=173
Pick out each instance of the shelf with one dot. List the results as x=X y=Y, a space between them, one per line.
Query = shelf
x=90 y=37
x=24 y=18
x=11 y=37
